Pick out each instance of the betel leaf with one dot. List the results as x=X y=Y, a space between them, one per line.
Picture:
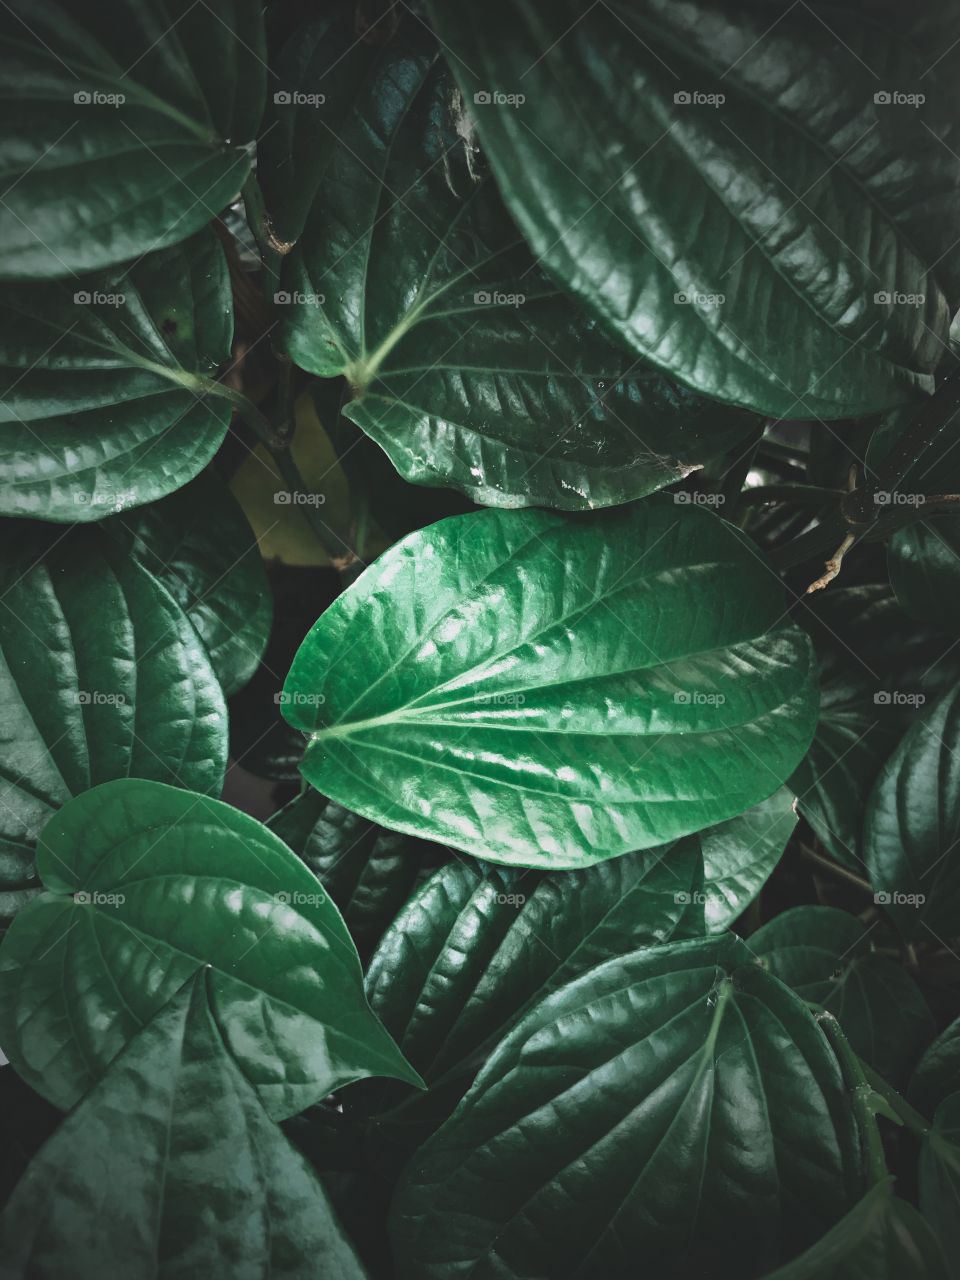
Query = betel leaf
x=475 y=947
x=740 y=855
x=548 y=691
x=121 y=133
x=912 y=825
x=125 y=1185
x=938 y=1072
x=145 y=885
x=468 y=365
x=106 y=383
x=101 y=676
x=939 y=1180
x=882 y=1238
x=368 y=871
x=825 y=955
x=756 y=175
x=199 y=544
x=660 y=1107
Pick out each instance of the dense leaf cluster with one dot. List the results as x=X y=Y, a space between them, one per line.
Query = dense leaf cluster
x=479 y=640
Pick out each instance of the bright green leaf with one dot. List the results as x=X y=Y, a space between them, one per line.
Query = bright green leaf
x=549 y=691
x=664 y=1107
x=712 y=181
x=170 y=1167
x=107 y=396
x=145 y=885
x=125 y=126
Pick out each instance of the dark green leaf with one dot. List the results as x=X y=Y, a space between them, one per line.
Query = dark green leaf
x=474 y=948
x=101 y=676
x=170 y=1167
x=107 y=395
x=200 y=546
x=940 y=1176
x=912 y=826
x=825 y=955
x=748 y=168
x=938 y=1073
x=883 y=1238
x=546 y=691
x=924 y=563
x=368 y=871
x=469 y=366
x=147 y=884
x=658 y=1111
x=125 y=128
x=876 y=672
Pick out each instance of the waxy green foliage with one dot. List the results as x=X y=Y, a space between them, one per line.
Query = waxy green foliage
x=145 y=885
x=537 y=690
x=468 y=365
x=200 y=1178
x=125 y=126
x=756 y=172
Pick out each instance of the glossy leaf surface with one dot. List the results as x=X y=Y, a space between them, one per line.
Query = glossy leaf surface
x=474 y=948
x=146 y=885
x=469 y=366
x=658 y=1107
x=754 y=173
x=545 y=691
x=123 y=131
x=825 y=955
x=170 y=1167
x=101 y=676
x=912 y=825
x=107 y=397
x=200 y=546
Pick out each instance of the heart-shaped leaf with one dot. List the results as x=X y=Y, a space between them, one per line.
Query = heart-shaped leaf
x=912 y=825
x=756 y=174
x=200 y=1180
x=468 y=365
x=145 y=885
x=198 y=543
x=126 y=126
x=368 y=871
x=550 y=692
x=825 y=955
x=659 y=1107
x=106 y=394
x=101 y=676
x=882 y=1238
